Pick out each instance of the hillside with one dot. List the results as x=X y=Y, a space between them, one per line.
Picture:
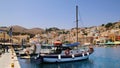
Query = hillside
x=35 y=30
x=21 y=29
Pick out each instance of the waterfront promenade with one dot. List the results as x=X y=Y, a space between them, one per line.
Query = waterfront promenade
x=9 y=60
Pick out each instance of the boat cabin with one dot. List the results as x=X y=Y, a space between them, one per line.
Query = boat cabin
x=52 y=49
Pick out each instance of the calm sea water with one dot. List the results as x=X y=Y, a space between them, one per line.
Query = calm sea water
x=102 y=58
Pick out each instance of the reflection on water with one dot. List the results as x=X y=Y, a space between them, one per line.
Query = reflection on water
x=101 y=58
x=77 y=64
x=106 y=57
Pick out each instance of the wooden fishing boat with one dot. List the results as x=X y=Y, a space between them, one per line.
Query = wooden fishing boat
x=65 y=54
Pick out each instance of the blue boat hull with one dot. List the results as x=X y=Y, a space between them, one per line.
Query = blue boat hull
x=53 y=60
x=64 y=58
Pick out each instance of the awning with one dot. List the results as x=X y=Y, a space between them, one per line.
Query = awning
x=117 y=42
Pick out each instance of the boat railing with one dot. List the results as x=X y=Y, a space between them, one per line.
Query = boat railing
x=77 y=51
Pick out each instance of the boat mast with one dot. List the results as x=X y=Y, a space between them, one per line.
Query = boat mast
x=76 y=23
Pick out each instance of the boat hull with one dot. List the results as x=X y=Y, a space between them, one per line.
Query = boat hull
x=65 y=56
x=53 y=60
x=59 y=58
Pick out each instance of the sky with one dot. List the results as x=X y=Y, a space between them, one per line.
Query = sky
x=58 y=13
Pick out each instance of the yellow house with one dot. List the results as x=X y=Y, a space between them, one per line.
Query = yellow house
x=4 y=36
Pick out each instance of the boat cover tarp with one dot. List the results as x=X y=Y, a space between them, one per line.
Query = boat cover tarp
x=73 y=44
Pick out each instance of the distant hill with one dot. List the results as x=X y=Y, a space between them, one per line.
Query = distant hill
x=35 y=30
x=4 y=28
x=21 y=29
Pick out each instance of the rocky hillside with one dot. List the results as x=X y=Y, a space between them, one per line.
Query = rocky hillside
x=21 y=29
x=111 y=25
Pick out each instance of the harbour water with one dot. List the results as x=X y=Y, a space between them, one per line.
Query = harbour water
x=108 y=57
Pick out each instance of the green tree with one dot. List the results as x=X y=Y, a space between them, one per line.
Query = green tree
x=108 y=25
x=52 y=29
x=103 y=25
x=119 y=26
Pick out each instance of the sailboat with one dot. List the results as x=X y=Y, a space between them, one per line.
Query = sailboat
x=65 y=53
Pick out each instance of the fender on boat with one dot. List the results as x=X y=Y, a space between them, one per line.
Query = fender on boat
x=73 y=56
x=83 y=54
x=59 y=57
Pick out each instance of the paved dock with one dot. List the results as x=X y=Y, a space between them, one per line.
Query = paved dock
x=9 y=60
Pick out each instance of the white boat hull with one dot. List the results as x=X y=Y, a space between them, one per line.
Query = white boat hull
x=52 y=60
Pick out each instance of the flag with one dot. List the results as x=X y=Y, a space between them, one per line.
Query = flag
x=10 y=32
